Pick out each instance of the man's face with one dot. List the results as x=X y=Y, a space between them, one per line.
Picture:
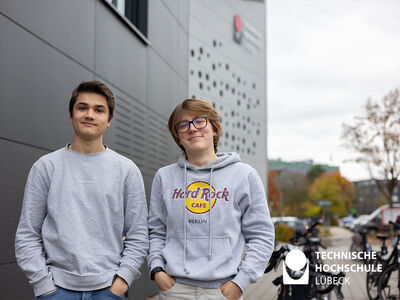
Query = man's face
x=196 y=139
x=90 y=116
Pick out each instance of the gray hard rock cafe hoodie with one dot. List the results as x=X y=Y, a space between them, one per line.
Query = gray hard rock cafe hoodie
x=203 y=247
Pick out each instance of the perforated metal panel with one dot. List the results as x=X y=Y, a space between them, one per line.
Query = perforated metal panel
x=229 y=75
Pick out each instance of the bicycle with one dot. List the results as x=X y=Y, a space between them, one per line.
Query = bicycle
x=389 y=283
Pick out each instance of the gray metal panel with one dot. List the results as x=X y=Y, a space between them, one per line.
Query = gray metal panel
x=183 y=54
x=15 y=165
x=163 y=32
x=36 y=87
x=13 y=284
x=67 y=25
x=120 y=58
x=163 y=85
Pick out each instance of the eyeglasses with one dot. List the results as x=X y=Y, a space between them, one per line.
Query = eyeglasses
x=198 y=123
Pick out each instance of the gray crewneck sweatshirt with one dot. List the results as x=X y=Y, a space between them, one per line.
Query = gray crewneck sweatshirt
x=76 y=210
x=203 y=247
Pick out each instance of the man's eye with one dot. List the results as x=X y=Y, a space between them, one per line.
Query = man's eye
x=100 y=110
x=81 y=108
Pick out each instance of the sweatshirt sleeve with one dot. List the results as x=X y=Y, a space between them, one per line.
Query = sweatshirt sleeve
x=157 y=225
x=258 y=231
x=29 y=250
x=136 y=243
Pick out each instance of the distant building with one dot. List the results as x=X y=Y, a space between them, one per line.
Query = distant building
x=368 y=196
x=298 y=166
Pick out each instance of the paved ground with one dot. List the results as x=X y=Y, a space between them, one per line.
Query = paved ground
x=340 y=241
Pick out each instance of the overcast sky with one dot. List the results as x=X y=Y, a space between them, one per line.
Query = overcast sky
x=325 y=58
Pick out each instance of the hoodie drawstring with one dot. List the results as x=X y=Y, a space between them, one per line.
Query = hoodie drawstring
x=209 y=219
x=185 y=224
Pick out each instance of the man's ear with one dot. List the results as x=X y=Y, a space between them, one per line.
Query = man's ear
x=109 y=123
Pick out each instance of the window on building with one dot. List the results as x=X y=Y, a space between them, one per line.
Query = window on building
x=135 y=11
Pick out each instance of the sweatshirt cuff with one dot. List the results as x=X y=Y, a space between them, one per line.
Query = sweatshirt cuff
x=157 y=263
x=242 y=279
x=44 y=285
x=128 y=274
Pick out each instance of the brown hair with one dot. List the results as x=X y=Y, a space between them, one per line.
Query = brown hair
x=97 y=87
x=199 y=108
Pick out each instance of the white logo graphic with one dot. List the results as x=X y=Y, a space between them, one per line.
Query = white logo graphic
x=295 y=268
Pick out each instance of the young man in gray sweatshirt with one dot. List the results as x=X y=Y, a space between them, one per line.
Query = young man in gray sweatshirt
x=204 y=210
x=83 y=227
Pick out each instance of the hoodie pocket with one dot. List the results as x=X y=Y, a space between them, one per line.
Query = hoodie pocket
x=199 y=264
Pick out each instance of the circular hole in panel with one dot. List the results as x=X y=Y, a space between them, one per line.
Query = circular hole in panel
x=191 y=72
x=199 y=58
x=227 y=135
x=227 y=87
x=238 y=102
x=214 y=43
x=214 y=83
x=227 y=67
x=221 y=93
x=193 y=96
x=244 y=96
x=232 y=113
x=248 y=106
x=244 y=141
x=248 y=150
x=213 y=104
x=254 y=85
x=201 y=50
x=207 y=77
x=238 y=79
x=213 y=66
x=238 y=124
x=237 y=148
x=208 y=54
x=192 y=52
x=248 y=119
x=233 y=137
x=258 y=101
x=254 y=144
x=200 y=74
x=258 y=131
x=201 y=85
x=233 y=90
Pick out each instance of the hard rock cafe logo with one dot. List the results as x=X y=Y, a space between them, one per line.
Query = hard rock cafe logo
x=197 y=196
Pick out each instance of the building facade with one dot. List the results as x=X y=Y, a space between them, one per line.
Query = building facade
x=153 y=54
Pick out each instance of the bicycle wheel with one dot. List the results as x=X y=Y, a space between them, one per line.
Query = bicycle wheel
x=388 y=284
x=372 y=282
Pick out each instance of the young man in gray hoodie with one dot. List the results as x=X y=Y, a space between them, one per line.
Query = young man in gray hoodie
x=83 y=227
x=204 y=211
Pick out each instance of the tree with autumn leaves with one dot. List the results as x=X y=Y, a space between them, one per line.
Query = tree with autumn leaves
x=293 y=194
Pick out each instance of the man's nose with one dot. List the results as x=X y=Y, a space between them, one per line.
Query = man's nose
x=90 y=114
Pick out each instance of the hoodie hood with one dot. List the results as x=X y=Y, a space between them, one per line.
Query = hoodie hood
x=223 y=159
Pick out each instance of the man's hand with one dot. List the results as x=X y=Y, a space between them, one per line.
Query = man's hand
x=48 y=292
x=119 y=286
x=164 y=281
x=231 y=290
